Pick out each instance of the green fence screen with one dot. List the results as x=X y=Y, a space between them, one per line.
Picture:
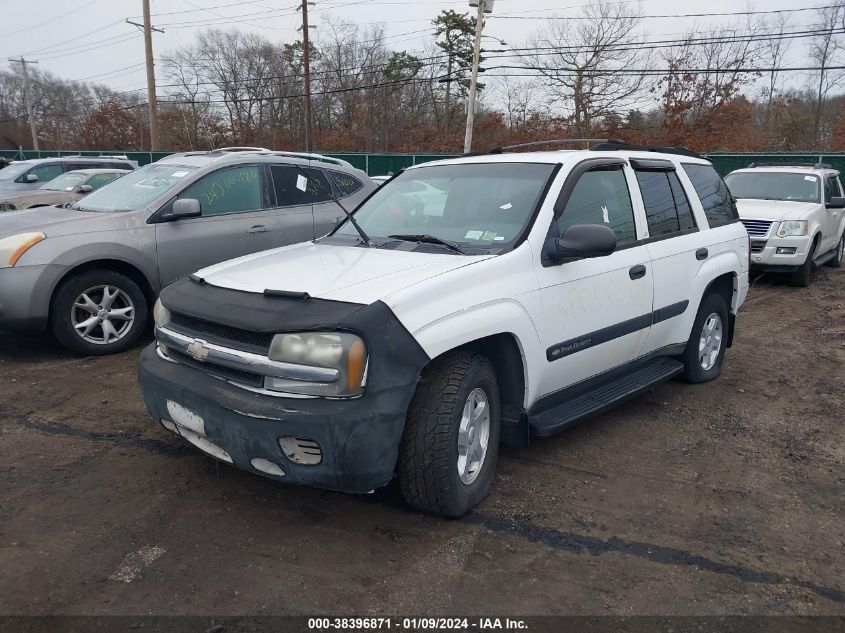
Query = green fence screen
x=384 y=164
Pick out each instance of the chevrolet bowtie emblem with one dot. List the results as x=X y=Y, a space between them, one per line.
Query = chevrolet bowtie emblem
x=198 y=349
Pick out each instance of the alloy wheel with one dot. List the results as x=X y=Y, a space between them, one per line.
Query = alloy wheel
x=710 y=343
x=473 y=436
x=102 y=315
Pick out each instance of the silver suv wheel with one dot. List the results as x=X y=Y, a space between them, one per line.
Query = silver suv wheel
x=473 y=435
x=710 y=342
x=102 y=315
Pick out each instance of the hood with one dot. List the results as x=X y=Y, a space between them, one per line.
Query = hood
x=774 y=209
x=55 y=221
x=26 y=197
x=340 y=273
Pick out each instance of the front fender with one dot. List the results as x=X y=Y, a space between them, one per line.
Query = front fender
x=503 y=316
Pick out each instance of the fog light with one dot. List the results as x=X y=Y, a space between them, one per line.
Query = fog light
x=786 y=250
x=301 y=450
x=266 y=466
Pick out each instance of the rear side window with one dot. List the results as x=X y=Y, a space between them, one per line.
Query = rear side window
x=666 y=206
x=288 y=182
x=233 y=190
x=98 y=180
x=346 y=184
x=46 y=173
x=601 y=197
x=718 y=204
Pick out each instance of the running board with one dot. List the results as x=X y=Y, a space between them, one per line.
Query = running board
x=603 y=396
x=820 y=261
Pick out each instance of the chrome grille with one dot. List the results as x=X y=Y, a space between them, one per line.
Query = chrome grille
x=222 y=334
x=227 y=373
x=757 y=228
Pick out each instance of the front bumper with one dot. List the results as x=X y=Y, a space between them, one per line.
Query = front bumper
x=25 y=296
x=767 y=257
x=359 y=438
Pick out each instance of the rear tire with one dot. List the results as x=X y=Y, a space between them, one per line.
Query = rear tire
x=98 y=312
x=836 y=262
x=705 y=350
x=446 y=421
x=801 y=277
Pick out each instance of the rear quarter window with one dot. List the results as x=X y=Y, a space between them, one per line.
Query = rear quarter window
x=346 y=184
x=717 y=201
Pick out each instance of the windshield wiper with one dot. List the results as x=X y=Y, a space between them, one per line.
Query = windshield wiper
x=430 y=239
x=364 y=237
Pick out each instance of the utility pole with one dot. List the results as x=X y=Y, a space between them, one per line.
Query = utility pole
x=151 y=77
x=306 y=65
x=27 y=97
x=484 y=6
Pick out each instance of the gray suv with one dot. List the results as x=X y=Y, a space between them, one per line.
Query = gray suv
x=24 y=175
x=90 y=271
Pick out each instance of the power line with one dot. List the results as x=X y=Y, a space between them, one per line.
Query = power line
x=659 y=16
x=50 y=21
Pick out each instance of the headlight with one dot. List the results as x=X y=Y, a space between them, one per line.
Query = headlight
x=792 y=228
x=12 y=248
x=7 y=206
x=342 y=351
x=161 y=315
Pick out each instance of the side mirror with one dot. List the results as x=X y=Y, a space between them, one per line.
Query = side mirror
x=31 y=178
x=185 y=208
x=581 y=241
x=84 y=189
x=837 y=202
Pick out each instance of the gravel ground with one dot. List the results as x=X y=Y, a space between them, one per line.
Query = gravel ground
x=725 y=498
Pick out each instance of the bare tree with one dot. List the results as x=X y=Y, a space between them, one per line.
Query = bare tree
x=825 y=49
x=773 y=52
x=587 y=63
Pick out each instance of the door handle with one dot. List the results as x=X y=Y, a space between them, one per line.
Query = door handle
x=258 y=228
x=637 y=272
x=701 y=254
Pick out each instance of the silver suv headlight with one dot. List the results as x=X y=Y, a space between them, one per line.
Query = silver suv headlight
x=12 y=248
x=342 y=351
x=792 y=228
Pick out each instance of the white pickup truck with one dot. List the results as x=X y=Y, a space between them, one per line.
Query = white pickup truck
x=794 y=216
x=465 y=303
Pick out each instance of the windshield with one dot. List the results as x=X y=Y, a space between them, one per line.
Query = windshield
x=14 y=171
x=136 y=189
x=65 y=182
x=475 y=205
x=775 y=186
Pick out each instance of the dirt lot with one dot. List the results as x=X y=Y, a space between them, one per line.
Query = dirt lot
x=716 y=499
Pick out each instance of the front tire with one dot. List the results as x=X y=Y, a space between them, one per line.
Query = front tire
x=98 y=312
x=836 y=262
x=705 y=350
x=447 y=460
x=801 y=277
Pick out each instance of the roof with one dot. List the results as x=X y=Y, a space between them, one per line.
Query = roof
x=251 y=154
x=76 y=159
x=786 y=169
x=94 y=172
x=562 y=157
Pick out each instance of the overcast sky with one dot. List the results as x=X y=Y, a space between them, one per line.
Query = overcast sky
x=88 y=39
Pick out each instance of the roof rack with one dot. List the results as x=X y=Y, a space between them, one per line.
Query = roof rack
x=557 y=141
x=811 y=165
x=616 y=145
x=223 y=150
x=312 y=156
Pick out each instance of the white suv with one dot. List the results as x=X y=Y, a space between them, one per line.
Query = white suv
x=794 y=216
x=467 y=302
